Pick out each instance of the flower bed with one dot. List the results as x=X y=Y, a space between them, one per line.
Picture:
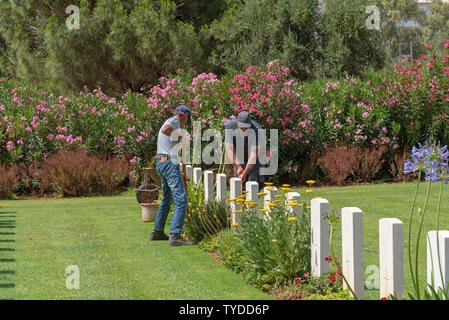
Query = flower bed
x=395 y=108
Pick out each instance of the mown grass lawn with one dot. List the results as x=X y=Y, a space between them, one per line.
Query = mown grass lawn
x=379 y=201
x=106 y=238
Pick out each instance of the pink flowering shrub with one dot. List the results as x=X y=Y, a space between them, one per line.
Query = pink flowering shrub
x=394 y=108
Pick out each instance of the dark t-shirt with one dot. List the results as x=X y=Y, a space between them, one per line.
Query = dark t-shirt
x=246 y=140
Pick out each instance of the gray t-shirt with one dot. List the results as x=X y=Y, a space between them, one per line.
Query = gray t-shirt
x=164 y=143
x=243 y=141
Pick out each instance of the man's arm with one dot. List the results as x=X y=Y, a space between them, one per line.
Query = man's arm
x=251 y=162
x=232 y=157
x=167 y=130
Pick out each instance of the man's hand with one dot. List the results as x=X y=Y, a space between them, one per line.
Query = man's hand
x=239 y=171
x=243 y=177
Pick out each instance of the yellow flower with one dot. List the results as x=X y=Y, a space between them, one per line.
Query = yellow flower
x=308 y=207
x=277 y=201
x=286 y=185
x=309 y=191
x=278 y=196
x=229 y=218
x=286 y=189
x=310 y=181
x=262 y=194
x=270 y=188
x=238 y=211
x=268 y=183
x=300 y=204
x=233 y=199
x=317 y=198
x=234 y=224
x=271 y=204
x=292 y=219
x=264 y=210
x=273 y=240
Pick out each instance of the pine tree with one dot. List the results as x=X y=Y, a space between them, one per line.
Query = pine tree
x=119 y=45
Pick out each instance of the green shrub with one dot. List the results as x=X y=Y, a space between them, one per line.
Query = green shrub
x=203 y=219
x=230 y=250
x=329 y=295
x=276 y=247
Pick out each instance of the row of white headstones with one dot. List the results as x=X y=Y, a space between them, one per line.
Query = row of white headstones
x=391 y=246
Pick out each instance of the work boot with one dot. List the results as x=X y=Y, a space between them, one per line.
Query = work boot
x=176 y=239
x=158 y=235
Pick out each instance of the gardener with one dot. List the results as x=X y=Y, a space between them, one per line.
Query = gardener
x=173 y=186
x=242 y=147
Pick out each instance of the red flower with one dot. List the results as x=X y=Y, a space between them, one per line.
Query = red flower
x=277 y=297
x=298 y=280
x=306 y=275
x=332 y=278
x=383 y=298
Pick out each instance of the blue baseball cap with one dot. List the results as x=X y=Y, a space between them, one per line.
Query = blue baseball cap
x=185 y=109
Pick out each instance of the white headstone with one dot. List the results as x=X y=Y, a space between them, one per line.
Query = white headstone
x=352 y=248
x=221 y=187
x=197 y=172
x=208 y=185
x=391 y=258
x=271 y=193
x=320 y=236
x=189 y=172
x=296 y=197
x=436 y=276
x=253 y=189
x=235 y=192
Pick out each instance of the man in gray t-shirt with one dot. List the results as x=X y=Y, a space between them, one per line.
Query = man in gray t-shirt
x=242 y=146
x=173 y=187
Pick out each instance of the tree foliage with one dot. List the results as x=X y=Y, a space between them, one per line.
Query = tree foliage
x=127 y=44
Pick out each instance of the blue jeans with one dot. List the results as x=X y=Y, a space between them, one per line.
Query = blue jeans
x=173 y=188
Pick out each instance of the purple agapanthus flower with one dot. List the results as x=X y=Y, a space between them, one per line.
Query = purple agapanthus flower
x=430 y=158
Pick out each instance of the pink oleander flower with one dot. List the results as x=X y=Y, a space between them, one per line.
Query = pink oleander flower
x=9 y=145
x=134 y=160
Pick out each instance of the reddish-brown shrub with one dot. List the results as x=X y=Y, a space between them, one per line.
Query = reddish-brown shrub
x=397 y=166
x=111 y=175
x=338 y=162
x=30 y=178
x=74 y=173
x=341 y=162
x=370 y=162
x=8 y=181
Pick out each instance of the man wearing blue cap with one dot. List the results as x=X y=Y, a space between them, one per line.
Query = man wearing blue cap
x=172 y=182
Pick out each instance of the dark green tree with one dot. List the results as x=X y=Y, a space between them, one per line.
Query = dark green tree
x=437 y=27
x=347 y=44
x=119 y=45
x=254 y=32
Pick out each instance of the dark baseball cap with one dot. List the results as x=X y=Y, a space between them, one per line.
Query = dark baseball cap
x=244 y=120
x=186 y=110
